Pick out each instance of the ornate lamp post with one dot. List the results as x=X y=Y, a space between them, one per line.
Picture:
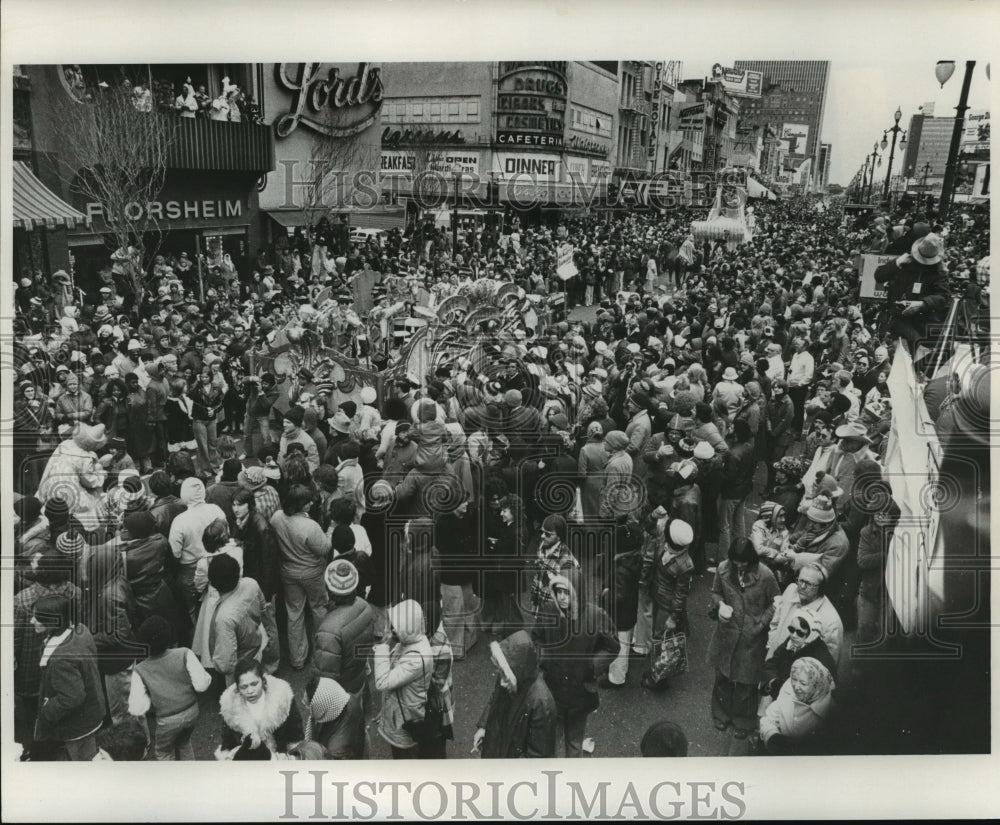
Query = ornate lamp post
x=876 y=160
x=902 y=145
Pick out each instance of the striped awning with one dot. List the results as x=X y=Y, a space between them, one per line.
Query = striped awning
x=35 y=205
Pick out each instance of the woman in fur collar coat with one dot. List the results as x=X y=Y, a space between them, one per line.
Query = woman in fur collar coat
x=258 y=710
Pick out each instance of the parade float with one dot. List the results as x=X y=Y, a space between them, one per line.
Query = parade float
x=727 y=220
x=409 y=332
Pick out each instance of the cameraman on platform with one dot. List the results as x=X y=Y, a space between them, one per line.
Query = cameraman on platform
x=916 y=290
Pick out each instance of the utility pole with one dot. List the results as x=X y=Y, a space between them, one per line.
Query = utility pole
x=950 y=172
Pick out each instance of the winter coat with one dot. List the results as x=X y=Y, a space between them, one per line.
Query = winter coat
x=277 y=727
x=617 y=474
x=624 y=602
x=708 y=431
x=74 y=472
x=737 y=472
x=260 y=554
x=71 y=694
x=576 y=647
x=109 y=610
x=778 y=668
x=591 y=465
x=667 y=571
x=144 y=562
x=342 y=642
x=520 y=724
x=789 y=717
x=739 y=643
x=27 y=644
x=780 y=412
x=831 y=627
x=404 y=674
x=234 y=633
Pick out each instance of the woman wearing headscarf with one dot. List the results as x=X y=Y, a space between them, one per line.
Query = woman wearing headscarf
x=591 y=466
x=403 y=674
x=792 y=723
x=519 y=720
x=335 y=719
x=616 y=493
x=743 y=594
x=805 y=639
x=768 y=535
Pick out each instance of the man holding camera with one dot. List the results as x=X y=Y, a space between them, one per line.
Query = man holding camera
x=916 y=290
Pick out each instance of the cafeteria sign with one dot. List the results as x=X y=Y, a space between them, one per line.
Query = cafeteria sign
x=565 y=268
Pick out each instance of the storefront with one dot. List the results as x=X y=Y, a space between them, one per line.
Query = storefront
x=325 y=122
x=211 y=213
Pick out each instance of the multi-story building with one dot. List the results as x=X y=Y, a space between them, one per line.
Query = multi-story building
x=207 y=201
x=793 y=101
x=636 y=80
x=500 y=132
x=710 y=123
x=823 y=167
x=928 y=141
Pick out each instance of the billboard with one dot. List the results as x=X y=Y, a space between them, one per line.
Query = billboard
x=795 y=139
x=738 y=82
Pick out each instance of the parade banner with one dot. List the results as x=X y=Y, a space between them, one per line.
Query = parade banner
x=870 y=291
x=565 y=268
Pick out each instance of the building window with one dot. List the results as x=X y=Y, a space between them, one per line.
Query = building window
x=472 y=108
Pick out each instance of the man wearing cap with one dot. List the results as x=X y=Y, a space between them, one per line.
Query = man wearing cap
x=292 y=433
x=808 y=595
x=186 y=532
x=667 y=573
x=852 y=446
x=346 y=635
x=917 y=293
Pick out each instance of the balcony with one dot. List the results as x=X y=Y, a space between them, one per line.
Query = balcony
x=221 y=146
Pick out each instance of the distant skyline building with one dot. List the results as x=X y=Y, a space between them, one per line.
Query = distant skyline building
x=823 y=168
x=793 y=101
x=928 y=141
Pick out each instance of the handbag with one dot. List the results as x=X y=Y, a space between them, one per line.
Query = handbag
x=668 y=656
x=428 y=728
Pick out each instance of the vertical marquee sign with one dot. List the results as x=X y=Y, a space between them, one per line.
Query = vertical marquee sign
x=654 y=115
x=531 y=103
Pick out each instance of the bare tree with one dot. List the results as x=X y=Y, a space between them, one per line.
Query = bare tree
x=343 y=172
x=116 y=156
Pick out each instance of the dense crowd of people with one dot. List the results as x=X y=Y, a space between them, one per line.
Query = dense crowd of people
x=189 y=522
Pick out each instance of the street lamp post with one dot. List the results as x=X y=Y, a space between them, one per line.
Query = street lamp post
x=902 y=144
x=943 y=72
x=876 y=160
x=926 y=169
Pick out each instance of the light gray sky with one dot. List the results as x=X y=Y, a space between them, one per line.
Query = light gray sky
x=862 y=97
